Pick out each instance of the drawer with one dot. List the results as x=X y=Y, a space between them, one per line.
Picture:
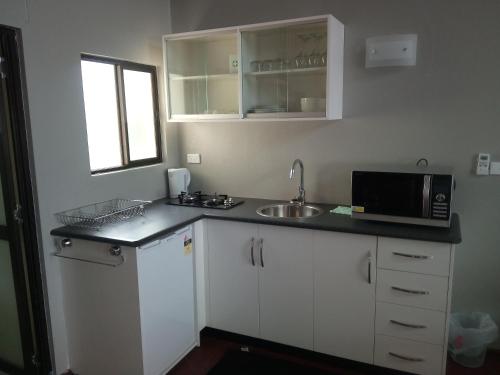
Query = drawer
x=412 y=289
x=406 y=355
x=430 y=258
x=410 y=323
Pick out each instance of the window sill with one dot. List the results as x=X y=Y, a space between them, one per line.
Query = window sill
x=121 y=170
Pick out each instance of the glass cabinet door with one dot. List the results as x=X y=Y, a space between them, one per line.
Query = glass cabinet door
x=203 y=76
x=284 y=70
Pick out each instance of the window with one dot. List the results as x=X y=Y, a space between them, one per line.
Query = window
x=121 y=110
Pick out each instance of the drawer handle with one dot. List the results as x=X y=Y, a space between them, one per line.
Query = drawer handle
x=413 y=256
x=410 y=291
x=406 y=358
x=408 y=325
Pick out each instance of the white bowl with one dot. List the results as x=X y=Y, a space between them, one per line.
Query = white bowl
x=312 y=104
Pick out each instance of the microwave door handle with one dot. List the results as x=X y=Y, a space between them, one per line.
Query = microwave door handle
x=426 y=195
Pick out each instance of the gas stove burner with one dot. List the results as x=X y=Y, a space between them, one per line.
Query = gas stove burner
x=199 y=199
x=215 y=200
x=186 y=198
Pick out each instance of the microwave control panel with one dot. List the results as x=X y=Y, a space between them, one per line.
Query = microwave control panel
x=442 y=186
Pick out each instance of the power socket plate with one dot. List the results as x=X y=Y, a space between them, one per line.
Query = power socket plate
x=495 y=168
x=194 y=158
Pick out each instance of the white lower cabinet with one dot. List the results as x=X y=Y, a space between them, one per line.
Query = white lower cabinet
x=344 y=294
x=310 y=289
x=261 y=281
x=130 y=314
x=366 y=298
x=233 y=279
x=370 y=299
x=413 y=304
x=286 y=285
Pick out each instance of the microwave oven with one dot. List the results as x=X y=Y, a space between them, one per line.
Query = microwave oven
x=403 y=197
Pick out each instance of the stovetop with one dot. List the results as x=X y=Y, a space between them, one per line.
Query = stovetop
x=199 y=199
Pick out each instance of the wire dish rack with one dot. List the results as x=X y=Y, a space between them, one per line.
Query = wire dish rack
x=98 y=214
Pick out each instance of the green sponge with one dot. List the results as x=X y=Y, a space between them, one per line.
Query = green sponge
x=342 y=210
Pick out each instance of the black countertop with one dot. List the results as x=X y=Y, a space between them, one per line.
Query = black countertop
x=161 y=219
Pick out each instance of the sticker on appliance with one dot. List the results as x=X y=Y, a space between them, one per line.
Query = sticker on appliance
x=188 y=245
x=360 y=209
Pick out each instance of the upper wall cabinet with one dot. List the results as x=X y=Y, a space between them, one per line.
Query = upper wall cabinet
x=280 y=70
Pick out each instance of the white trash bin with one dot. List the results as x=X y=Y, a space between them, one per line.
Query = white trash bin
x=469 y=337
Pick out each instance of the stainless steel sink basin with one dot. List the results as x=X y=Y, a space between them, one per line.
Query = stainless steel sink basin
x=288 y=210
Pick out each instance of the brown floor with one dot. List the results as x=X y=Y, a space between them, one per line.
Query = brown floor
x=212 y=349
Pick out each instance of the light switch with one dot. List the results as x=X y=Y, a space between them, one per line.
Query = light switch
x=193 y=158
x=483 y=164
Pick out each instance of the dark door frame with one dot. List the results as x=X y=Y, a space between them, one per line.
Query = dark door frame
x=20 y=189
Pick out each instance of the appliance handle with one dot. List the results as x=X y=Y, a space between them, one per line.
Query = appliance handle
x=426 y=195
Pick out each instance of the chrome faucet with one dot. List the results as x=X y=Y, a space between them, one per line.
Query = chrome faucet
x=301 y=198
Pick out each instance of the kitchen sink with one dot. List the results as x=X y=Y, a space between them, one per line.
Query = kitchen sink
x=289 y=210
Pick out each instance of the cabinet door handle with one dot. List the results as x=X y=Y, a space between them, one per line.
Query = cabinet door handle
x=406 y=358
x=408 y=325
x=261 y=253
x=369 y=268
x=410 y=291
x=413 y=256
x=252 y=259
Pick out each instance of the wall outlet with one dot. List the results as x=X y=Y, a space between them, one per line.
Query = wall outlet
x=495 y=168
x=483 y=165
x=233 y=64
x=194 y=158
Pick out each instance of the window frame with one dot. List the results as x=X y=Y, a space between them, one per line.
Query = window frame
x=119 y=65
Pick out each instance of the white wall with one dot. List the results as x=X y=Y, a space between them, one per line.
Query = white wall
x=445 y=109
x=55 y=32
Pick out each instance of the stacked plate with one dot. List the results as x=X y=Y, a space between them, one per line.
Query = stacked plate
x=268 y=109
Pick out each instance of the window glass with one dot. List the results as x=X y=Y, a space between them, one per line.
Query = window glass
x=140 y=114
x=101 y=112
